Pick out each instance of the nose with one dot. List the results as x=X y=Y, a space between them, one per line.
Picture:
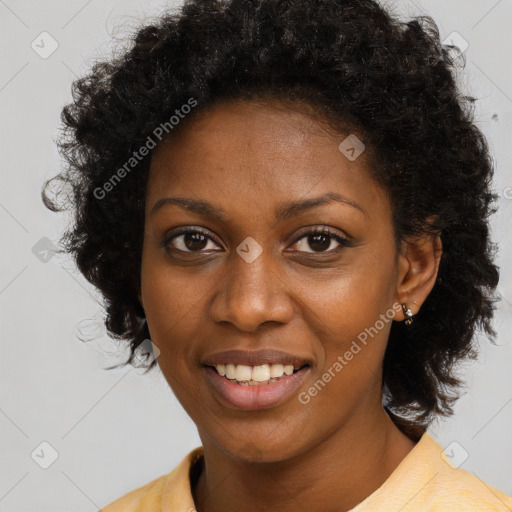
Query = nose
x=251 y=294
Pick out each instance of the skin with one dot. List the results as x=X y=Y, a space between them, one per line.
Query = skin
x=250 y=158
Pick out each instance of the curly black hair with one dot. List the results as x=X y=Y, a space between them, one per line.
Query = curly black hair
x=359 y=66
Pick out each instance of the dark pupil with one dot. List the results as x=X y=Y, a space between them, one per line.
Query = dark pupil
x=197 y=241
x=319 y=240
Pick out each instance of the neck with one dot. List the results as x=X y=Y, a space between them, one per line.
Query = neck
x=334 y=475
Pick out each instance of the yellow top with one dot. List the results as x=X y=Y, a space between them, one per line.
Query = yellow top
x=422 y=482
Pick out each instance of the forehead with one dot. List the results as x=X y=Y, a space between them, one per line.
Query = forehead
x=261 y=152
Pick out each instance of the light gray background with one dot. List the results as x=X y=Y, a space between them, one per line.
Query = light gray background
x=115 y=431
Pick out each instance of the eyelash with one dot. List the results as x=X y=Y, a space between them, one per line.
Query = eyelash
x=344 y=242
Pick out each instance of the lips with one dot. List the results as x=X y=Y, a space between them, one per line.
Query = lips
x=264 y=395
x=251 y=398
x=256 y=358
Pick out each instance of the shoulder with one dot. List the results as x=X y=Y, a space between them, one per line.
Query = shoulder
x=453 y=489
x=426 y=481
x=169 y=492
x=145 y=498
x=464 y=492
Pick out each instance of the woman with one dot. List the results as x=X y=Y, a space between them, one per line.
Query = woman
x=291 y=201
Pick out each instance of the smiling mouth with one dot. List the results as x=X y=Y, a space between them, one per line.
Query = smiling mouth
x=264 y=374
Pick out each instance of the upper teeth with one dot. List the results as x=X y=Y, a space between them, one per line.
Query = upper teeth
x=261 y=373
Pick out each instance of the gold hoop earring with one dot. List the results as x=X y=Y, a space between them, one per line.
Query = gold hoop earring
x=408 y=314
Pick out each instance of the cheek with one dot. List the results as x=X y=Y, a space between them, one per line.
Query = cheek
x=352 y=314
x=172 y=313
x=172 y=320
x=353 y=298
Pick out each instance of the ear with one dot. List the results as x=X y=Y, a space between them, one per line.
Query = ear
x=418 y=266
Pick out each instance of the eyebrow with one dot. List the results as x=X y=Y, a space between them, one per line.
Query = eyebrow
x=281 y=213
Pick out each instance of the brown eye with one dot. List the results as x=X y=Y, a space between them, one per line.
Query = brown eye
x=320 y=240
x=189 y=240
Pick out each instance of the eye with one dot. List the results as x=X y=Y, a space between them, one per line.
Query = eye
x=320 y=239
x=188 y=240
x=196 y=240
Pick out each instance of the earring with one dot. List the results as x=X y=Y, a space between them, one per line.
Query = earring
x=408 y=314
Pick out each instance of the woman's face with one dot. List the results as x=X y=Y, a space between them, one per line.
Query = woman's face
x=254 y=278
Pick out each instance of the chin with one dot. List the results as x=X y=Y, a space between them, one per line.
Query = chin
x=259 y=449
